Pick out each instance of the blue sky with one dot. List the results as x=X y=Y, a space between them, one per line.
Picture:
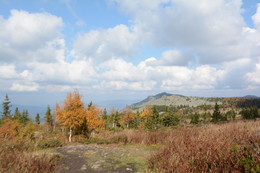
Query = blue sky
x=126 y=49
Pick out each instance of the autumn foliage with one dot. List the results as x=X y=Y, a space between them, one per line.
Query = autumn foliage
x=9 y=129
x=74 y=115
x=94 y=120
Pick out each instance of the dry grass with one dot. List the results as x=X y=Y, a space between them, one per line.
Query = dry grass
x=231 y=147
x=140 y=137
x=17 y=157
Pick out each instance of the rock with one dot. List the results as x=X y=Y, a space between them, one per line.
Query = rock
x=95 y=166
x=129 y=169
x=83 y=167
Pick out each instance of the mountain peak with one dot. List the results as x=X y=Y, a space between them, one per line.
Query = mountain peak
x=153 y=97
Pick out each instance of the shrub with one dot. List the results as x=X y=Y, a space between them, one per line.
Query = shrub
x=9 y=129
x=49 y=143
x=14 y=157
x=232 y=147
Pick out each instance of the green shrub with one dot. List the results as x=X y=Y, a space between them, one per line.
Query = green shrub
x=49 y=143
x=95 y=141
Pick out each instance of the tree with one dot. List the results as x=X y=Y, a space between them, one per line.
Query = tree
x=6 y=108
x=72 y=113
x=37 y=118
x=195 y=118
x=147 y=112
x=250 y=113
x=114 y=117
x=169 y=118
x=231 y=114
x=48 y=116
x=216 y=116
x=153 y=121
x=127 y=117
x=25 y=117
x=17 y=114
x=94 y=118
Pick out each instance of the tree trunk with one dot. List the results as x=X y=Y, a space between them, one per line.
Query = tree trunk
x=70 y=134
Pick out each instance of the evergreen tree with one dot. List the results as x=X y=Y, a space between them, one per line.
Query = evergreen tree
x=104 y=114
x=250 y=113
x=169 y=118
x=153 y=121
x=25 y=117
x=6 y=108
x=216 y=114
x=105 y=117
x=195 y=118
x=113 y=118
x=89 y=105
x=37 y=118
x=17 y=114
x=48 y=116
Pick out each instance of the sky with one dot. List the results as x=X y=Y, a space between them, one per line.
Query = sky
x=128 y=49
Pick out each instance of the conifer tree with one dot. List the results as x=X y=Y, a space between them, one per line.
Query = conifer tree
x=17 y=114
x=216 y=114
x=153 y=121
x=6 y=108
x=37 y=118
x=48 y=116
x=25 y=117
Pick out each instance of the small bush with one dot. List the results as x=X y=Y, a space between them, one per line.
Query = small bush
x=49 y=143
x=95 y=141
x=15 y=158
x=232 y=147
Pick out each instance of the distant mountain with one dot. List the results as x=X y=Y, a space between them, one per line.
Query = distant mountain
x=251 y=97
x=167 y=99
x=154 y=97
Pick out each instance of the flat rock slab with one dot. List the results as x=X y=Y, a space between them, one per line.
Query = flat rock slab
x=101 y=159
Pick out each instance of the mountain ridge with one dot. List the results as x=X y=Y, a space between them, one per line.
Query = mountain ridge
x=153 y=97
x=168 y=99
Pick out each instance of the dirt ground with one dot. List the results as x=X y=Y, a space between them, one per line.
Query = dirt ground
x=104 y=158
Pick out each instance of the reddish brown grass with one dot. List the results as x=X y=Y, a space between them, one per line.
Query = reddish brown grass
x=232 y=147
x=18 y=158
x=140 y=137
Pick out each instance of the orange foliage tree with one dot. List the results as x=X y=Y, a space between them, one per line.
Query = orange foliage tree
x=9 y=129
x=72 y=113
x=144 y=115
x=94 y=119
x=147 y=112
x=127 y=117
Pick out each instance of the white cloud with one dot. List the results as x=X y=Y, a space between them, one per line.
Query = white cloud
x=24 y=87
x=115 y=42
x=172 y=57
x=208 y=47
x=256 y=17
x=7 y=72
x=27 y=37
x=77 y=72
x=213 y=31
x=254 y=76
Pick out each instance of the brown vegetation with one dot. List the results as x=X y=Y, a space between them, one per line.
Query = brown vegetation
x=232 y=147
x=18 y=157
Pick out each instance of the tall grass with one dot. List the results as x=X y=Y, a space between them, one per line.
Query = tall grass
x=18 y=157
x=231 y=147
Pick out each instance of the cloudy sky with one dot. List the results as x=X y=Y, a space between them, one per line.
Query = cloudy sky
x=128 y=49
